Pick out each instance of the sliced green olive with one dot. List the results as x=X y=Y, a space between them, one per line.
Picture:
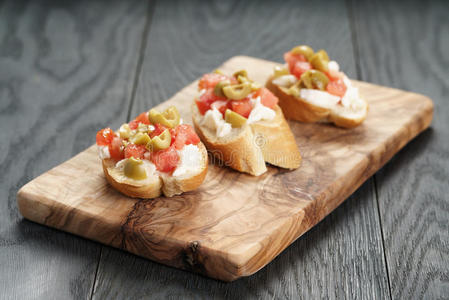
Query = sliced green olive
x=237 y=91
x=218 y=90
x=218 y=71
x=313 y=79
x=235 y=119
x=280 y=71
x=134 y=169
x=243 y=79
x=320 y=61
x=140 y=138
x=170 y=117
x=161 y=141
x=324 y=54
x=240 y=73
x=304 y=50
x=294 y=90
x=124 y=131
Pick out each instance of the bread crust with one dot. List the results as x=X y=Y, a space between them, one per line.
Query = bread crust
x=158 y=185
x=300 y=110
x=257 y=143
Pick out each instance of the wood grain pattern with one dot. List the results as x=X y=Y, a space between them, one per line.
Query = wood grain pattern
x=412 y=188
x=349 y=239
x=61 y=64
x=234 y=224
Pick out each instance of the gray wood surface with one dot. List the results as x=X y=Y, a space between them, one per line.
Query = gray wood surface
x=66 y=69
x=342 y=256
x=70 y=68
x=404 y=45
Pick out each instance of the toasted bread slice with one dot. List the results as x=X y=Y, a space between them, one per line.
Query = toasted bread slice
x=248 y=148
x=302 y=110
x=155 y=184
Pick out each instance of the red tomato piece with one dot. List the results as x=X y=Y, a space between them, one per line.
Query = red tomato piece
x=292 y=59
x=143 y=118
x=184 y=135
x=242 y=107
x=220 y=105
x=133 y=124
x=205 y=100
x=210 y=80
x=300 y=67
x=115 y=149
x=337 y=88
x=158 y=129
x=334 y=75
x=135 y=151
x=267 y=98
x=104 y=136
x=166 y=160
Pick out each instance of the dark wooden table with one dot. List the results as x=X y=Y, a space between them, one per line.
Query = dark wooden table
x=68 y=68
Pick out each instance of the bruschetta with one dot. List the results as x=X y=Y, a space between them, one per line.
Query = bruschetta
x=152 y=155
x=241 y=124
x=311 y=88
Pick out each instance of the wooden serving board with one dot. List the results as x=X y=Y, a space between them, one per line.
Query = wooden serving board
x=234 y=224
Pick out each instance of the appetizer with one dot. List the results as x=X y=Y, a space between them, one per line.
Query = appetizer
x=311 y=88
x=153 y=154
x=241 y=124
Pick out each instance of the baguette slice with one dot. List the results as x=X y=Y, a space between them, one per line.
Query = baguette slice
x=247 y=149
x=302 y=110
x=155 y=184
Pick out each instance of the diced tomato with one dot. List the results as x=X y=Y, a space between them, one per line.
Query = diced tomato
x=337 y=88
x=300 y=67
x=158 y=129
x=334 y=75
x=210 y=80
x=135 y=151
x=166 y=160
x=104 y=136
x=184 y=135
x=220 y=105
x=133 y=124
x=206 y=99
x=115 y=149
x=292 y=59
x=267 y=98
x=143 y=118
x=242 y=107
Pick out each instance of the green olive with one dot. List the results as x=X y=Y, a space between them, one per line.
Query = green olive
x=218 y=71
x=235 y=119
x=313 y=79
x=324 y=54
x=280 y=71
x=124 y=131
x=320 y=61
x=243 y=79
x=170 y=117
x=240 y=73
x=294 y=90
x=304 y=50
x=237 y=91
x=134 y=169
x=140 y=138
x=161 y=141
x=218 y=90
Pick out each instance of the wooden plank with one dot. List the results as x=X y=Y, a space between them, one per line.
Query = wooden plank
x=263 y=29
x=404 y=45
x=234 y=224
x=66 y=69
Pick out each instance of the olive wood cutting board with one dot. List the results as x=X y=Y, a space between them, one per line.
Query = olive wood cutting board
x=234 y=224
